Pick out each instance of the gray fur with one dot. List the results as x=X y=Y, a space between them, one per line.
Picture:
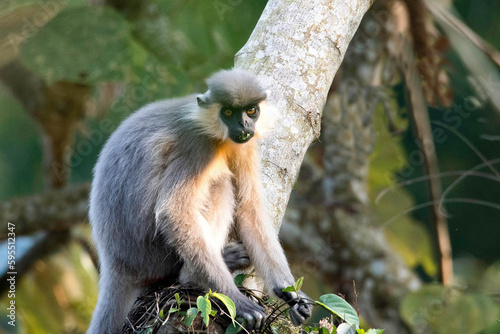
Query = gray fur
x=148 y=168
x=235 y=87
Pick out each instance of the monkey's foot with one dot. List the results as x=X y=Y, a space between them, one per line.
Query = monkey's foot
x=236 y=256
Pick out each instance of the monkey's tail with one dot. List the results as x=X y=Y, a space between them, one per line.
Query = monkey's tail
x=116 y=296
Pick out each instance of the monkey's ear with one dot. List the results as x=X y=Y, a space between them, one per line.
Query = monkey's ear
x=202 y=101
x=268 y=94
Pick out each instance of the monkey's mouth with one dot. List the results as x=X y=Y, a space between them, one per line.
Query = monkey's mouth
x=242 y=137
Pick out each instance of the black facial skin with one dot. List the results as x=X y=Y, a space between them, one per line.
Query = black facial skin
x=240 y=122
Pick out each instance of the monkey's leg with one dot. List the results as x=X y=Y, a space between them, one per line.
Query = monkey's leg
x=204 y=266
x=117 y=294
x=236 y=256
x=186 y=228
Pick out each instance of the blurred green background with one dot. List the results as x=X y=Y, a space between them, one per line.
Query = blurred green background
x=129 y=60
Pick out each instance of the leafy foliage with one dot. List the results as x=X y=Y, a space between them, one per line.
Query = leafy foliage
x=81 y=44
x=338 y=306
x=240 y=278
x=204 y=308
x=226 y=301
x=191 y=315
x=295 y=287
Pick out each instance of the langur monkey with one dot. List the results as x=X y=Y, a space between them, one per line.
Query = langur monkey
x=170 y=185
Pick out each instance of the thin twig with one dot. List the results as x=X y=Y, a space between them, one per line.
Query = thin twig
x=423 y=133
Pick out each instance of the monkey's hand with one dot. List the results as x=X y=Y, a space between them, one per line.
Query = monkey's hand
x=251 y=314
x=300 y=305
x=236 y=257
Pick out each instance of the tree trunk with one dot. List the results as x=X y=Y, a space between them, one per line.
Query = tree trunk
x=330 y=204
x=297 y=47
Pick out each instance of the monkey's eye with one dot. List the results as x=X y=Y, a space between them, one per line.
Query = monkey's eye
x=228 y=112
x=251 y=111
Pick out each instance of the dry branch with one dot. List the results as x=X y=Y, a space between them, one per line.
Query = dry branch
x=422 y=130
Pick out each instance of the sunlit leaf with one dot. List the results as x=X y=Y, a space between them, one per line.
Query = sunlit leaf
x=231 y=308
x=205 y=307
x=339 y=307
x=299 y=283
x=290 y=288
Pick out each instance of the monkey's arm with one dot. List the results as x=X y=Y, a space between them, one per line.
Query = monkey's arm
x=259 y=237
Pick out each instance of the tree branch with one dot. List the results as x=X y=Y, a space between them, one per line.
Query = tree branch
x=423 y=133
x=48 y=244
x=54 y=210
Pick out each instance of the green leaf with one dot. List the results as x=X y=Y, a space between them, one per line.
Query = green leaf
x=239 y=279
x=160 y=314
x=190 y=316
x=298 y=284
x=173 y=310
x=374 y=331
x=81 y=44
x=231 y=308
x=233 y=328
x=339 y=307
x=178 y=299
x=324 y=330
x=290 y=288
x=295 y=287
x=205 y=307
x=345 y=328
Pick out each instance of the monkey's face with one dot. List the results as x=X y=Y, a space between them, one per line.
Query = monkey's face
x=240 y=122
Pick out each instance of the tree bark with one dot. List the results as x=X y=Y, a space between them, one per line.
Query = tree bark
x=53 y=210
x=297 y=47
x=330 y=204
